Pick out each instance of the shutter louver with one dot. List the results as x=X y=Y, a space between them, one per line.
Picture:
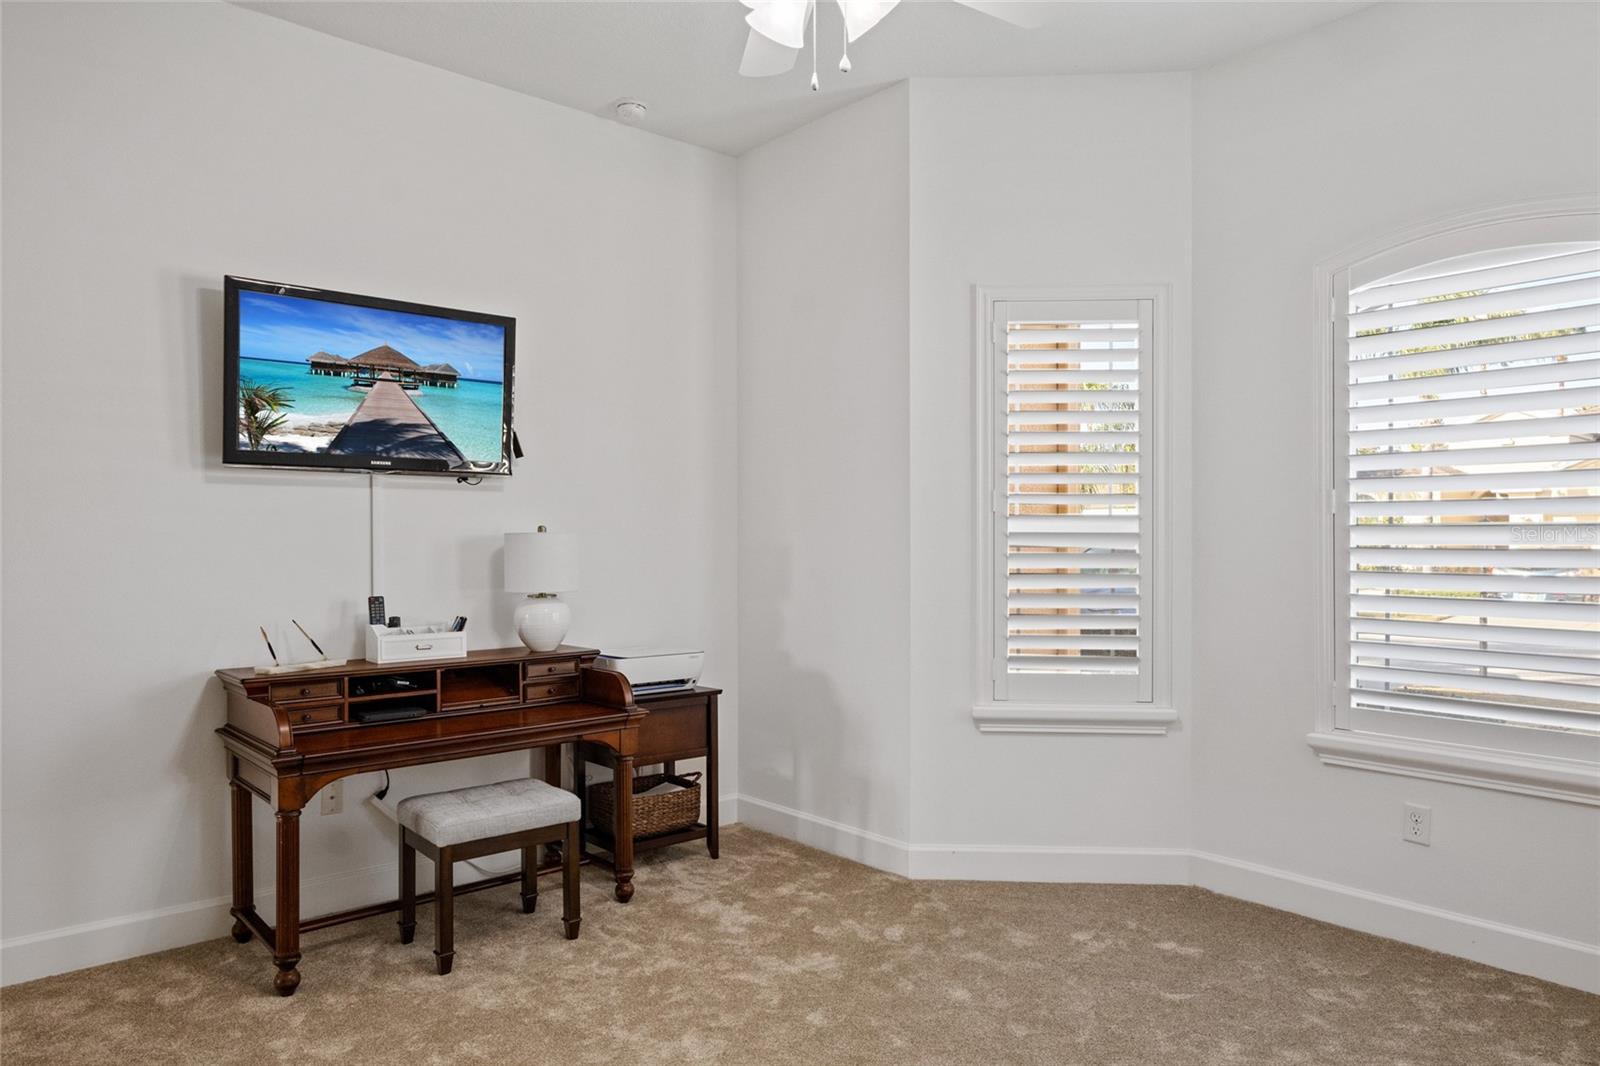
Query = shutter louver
x=1473 y=489
x=1076 y=486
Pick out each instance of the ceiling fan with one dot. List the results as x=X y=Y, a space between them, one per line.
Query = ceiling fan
x=778 y=29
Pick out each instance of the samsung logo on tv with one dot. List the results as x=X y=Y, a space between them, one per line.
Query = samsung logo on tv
x=379 y=462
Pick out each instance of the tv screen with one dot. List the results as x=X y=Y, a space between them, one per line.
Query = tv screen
x=316 y=378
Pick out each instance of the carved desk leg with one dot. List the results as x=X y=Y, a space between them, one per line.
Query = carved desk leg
x=286 y=952
x=622 y=831
x=243 y=860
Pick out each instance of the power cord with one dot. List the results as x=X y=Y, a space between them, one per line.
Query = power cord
x=384 y=791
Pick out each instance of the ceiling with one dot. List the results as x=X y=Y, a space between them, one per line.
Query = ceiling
x=681 y=57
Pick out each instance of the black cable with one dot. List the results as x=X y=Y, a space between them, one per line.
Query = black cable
x=384 y=791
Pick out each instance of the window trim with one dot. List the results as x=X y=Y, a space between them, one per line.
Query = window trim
x=1552 y=766
x=1094 y=716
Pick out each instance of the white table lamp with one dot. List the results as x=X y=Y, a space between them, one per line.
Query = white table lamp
x=540 y=565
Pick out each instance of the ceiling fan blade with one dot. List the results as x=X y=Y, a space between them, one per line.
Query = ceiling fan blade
x=764 y=58
x=1022 y=13
x=861 y=15
x=780 y=21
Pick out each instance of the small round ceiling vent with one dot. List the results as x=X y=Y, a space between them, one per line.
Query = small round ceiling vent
x=631 y=111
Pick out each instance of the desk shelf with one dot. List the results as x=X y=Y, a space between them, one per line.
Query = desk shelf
x=377 y=697
x=480 y=686
x=602 y=838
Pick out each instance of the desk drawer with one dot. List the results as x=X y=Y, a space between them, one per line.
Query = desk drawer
x=287 y=691
x=543 y=671
x=672 y=729
x=546 y=691
x=322 y=714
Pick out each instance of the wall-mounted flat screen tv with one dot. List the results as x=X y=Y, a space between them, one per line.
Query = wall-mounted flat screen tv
x=324 y=379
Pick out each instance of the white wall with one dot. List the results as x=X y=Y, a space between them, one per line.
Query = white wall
x=1033 y=182
x=1393 y=116
x=149 y=149
x=861 y=238
x=822 y=471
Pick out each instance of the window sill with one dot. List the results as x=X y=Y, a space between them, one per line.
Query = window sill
x=1056 y=718
x=1569 y=780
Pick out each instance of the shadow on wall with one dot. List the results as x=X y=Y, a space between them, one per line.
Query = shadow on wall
x=815 y=756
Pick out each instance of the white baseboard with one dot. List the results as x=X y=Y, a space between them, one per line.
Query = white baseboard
x=27 y=958
x=964 y=862
x=1508 y=947
x=836 y=838
x=1066 y=865
x=1526 y=951
x=1567 y=962
x=36 y=955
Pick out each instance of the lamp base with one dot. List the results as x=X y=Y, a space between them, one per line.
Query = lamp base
x=542 y=622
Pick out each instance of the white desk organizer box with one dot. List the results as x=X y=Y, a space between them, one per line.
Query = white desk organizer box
x=405 y=643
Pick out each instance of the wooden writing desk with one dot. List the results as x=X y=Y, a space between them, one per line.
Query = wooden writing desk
x=289 y=735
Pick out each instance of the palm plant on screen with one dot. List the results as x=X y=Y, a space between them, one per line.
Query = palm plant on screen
x=261 y=410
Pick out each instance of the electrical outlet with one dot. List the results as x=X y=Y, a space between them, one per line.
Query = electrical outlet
x=1419 y=824
x=333 y=798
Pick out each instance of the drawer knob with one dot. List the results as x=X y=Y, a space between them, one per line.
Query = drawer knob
x=424 y=647
x=306 y=717
x=305 y=692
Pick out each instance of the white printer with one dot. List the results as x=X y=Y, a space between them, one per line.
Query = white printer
x=654 y=669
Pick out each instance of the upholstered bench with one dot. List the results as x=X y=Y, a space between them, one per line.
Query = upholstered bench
x=451 y=827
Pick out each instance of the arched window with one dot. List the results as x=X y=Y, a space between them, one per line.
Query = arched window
x=1466 y=490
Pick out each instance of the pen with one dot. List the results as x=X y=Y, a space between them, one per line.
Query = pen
x=269 y=645
x=309 y=637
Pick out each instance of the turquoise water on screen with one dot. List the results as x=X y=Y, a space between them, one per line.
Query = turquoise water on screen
x=468 y=414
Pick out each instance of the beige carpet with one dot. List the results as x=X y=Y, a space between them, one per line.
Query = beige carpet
x=777 y=954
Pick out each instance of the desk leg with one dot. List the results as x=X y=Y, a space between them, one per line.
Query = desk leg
x=243 y=860
x=713 y=785
x=580 y=784
x=622 y=831
x=552 y=775
x=286 y=952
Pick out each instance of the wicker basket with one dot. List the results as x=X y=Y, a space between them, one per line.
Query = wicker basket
x=652 y=815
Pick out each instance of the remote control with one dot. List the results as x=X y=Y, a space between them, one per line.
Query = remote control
x=375 y=613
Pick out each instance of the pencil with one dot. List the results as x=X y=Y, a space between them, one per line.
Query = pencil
x=269 y=645
x=309 y=637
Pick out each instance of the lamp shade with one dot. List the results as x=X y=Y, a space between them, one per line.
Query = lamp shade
x=541 y=562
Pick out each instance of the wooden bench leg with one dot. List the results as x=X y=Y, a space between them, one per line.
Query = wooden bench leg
x=530 y=880
x=570 y=916
x=408 y=890
x=444 y=952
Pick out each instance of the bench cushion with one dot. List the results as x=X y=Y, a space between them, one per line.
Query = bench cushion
x=455 y=817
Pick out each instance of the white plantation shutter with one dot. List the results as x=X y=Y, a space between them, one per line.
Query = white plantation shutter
x=1072 y=577
x=1472 y=490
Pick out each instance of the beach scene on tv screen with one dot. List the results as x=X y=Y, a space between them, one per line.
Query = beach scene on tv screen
x=337 y=379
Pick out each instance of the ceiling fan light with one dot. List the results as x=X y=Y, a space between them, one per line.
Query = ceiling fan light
x=781 y=21
x=861 y=15
x=764 y=57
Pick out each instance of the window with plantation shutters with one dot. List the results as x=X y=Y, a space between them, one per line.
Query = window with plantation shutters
x=1070 y=506
x=1468 y=491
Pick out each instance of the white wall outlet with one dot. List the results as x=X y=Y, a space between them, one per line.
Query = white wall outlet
x=333 y=798
x=1419 y=824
